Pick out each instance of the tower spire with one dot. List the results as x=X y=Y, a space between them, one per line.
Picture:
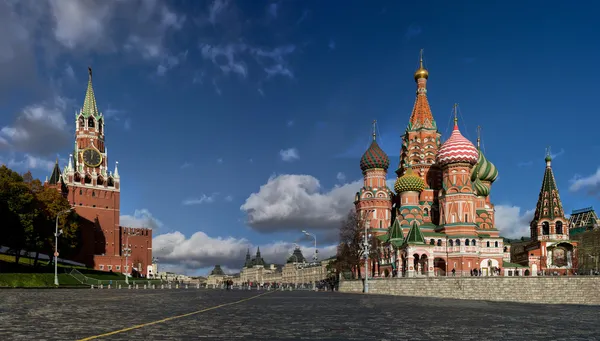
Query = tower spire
x=455 y=111
x=90 y=108
x=421 y=116
x=478 y=137
x=374 y=130
x=549 y=205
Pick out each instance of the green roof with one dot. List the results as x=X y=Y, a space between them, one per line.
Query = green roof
x=548 y=200
x=415 y=236
x=90 y=108
x=55 y=177
x=513 y=265
x=396 y=231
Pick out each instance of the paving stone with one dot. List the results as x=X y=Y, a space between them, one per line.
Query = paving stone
x=297 y=315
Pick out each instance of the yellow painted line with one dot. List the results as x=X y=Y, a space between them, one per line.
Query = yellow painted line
x=171 y=318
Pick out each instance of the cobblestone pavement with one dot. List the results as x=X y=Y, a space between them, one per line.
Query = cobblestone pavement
x=77 y=314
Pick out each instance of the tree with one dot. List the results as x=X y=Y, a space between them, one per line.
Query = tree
x=349 y=251
x=28 y=211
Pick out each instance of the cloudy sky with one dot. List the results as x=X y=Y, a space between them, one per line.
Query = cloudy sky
x=237 y=124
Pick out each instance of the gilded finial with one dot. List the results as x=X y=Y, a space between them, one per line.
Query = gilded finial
x=548 y=155
x=478 y=136
x=374 y=130
x=421 y=71
x=90 y=72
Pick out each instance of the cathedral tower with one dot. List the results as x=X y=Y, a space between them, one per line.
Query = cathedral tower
x=549 y=222
x=420 y=144
x=457 y=157
x=374 y=200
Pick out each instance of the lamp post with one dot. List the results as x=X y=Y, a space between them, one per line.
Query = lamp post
x=366 y=250
x=315 y=257
x=127 y=253
x=56 y=234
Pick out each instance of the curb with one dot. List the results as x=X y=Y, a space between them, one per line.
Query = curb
x=59 y=287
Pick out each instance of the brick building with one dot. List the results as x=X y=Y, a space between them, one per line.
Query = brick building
x=95 y=193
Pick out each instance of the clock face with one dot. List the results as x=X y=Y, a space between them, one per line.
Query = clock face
x=92 y=158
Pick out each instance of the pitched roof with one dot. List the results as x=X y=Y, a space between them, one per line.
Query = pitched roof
x=395 y=232
x=421 y=117
x=55 y=177
x=549 y=205
x=415 y=236
x=90 y=108
x=217 y=271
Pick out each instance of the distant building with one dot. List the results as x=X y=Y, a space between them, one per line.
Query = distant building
x=581 y=220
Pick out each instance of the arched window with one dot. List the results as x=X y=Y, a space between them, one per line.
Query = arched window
x=91 y=122
x=451 y=242
x=466 y=242
x=81 y=122
x=439 y=242
x=458 y=242
x=381 y=224
x=545 y=228
x=426 y=211
x=505 y=249
x=488 y=243
x=100 y=126
x=473 y=242
x=496 y=244
x=559 y=227
x=432 y=242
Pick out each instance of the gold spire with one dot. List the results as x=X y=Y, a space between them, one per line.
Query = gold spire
x=374 y=130
x=478 y=136
x=421 y=71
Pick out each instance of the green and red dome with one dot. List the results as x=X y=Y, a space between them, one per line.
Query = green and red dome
x=374 y=157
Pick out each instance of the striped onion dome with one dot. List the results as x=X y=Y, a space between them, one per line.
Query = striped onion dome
x=480 y=188
x=484 y=170
x=374 y=157
x=457 y=149
x=409 y=182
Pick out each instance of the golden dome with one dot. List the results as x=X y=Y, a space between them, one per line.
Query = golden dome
x=421 y=71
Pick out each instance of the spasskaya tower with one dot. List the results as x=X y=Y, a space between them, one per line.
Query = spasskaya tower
x=95 y=192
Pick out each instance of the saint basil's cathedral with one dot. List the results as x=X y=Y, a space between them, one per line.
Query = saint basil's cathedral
x=440 y=220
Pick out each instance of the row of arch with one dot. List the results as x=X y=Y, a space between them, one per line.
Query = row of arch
x=91 y=123
x=110 y=182
x=457 y=242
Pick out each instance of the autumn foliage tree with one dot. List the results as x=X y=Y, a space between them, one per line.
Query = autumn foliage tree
x=28 y=213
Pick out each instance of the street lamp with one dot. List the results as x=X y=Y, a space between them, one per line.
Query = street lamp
x=315 y=257
x=366 y=249
x=127 y=253
x=56 y=234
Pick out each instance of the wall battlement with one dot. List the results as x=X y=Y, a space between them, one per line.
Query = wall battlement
x=543 y=290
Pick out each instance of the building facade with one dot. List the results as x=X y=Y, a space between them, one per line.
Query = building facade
x=440 y=220
x=550 y=250
x=95 y=193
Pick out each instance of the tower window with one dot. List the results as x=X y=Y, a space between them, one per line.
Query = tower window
x=559 y=227
x=100 y=126
x=91 y=122
x=93 y=194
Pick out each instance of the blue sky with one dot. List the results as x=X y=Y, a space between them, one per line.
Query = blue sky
x=238 y=123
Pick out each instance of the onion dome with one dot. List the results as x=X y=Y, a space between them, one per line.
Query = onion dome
x=409 y=182
x=421 y=71
x=484 y=170
x=457 y=149
x=374 y=157
x=481 y=190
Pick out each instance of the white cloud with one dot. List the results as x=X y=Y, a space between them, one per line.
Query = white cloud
x=289 y=202
x=215 y=9
x=81 y=24
x=30 y=162
x=229 y=198
x=513 y=223
x=226 y=57
x=141 y=218
x=591 y=183
x=341 y=177
x=289 y=155
x=40 y=129
x=203 y=199
x=202 y=251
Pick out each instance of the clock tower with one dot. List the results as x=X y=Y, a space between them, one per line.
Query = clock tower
x=93 y=190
